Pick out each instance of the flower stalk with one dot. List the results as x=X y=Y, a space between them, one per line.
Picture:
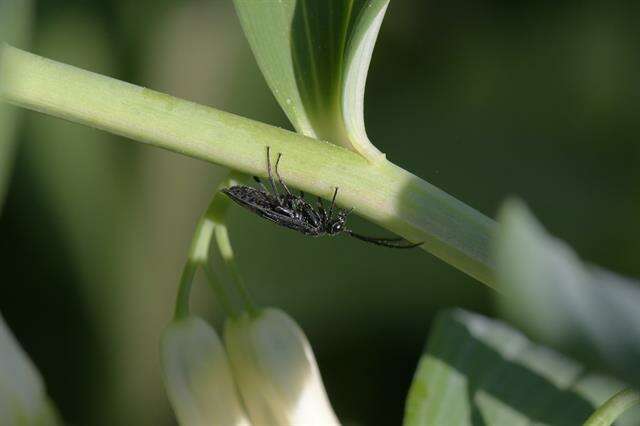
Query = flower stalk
x=265 y=356
x=210 y=227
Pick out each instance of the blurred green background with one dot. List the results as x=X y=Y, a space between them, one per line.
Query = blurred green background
x=484 y=99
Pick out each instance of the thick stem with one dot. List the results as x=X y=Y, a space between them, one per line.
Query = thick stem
x=15 y=23
x=383 y=193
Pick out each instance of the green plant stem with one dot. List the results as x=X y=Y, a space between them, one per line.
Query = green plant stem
x=614 y=408
x=212 y=226
x=383 y=193
x=15 y=24
x=198 y=256
x=226 y=252
x=219 y=290
x=186 y=283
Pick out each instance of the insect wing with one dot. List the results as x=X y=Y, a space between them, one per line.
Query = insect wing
x=249 y=197
x=264 y=205
x=289 y=222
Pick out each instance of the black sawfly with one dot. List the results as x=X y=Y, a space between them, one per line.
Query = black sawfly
x=294 y=212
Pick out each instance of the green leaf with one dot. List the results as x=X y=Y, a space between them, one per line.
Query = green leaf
x=315 y=57
x=15 y=19
x=478 y=371
x=555 y=297
x=23 y=400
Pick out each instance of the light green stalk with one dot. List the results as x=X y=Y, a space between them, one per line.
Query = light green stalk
x=614 y=408
x=383 y=192
x=15 y=26
x=212 y=226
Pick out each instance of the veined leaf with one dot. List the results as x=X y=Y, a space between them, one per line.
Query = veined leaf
x=15 y=19
x=554 y=296
x=478 y=371
x=315 y=57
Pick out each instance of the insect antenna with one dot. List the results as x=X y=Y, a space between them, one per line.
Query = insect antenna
x=385 y=242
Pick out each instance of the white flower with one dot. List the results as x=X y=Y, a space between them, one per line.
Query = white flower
x=197 y=376
x=23 y=400
x=276 y=371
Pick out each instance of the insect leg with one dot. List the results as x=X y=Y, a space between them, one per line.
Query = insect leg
x=284 y=185
x=264 y=188
x=273 y=184
x=321 y=210
x=333 y=202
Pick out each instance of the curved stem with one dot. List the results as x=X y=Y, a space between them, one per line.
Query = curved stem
x=219 y=290
x=608 y=412
x=210 y=225
x=224 y=245
x=383 y=192
x=198 y=255
x=186 y=282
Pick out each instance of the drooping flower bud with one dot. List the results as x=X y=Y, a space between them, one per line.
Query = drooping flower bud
x=23 y=400
x=197 y=376
x=276 y=371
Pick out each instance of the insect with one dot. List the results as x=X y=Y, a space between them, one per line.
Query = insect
x=294 y=212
